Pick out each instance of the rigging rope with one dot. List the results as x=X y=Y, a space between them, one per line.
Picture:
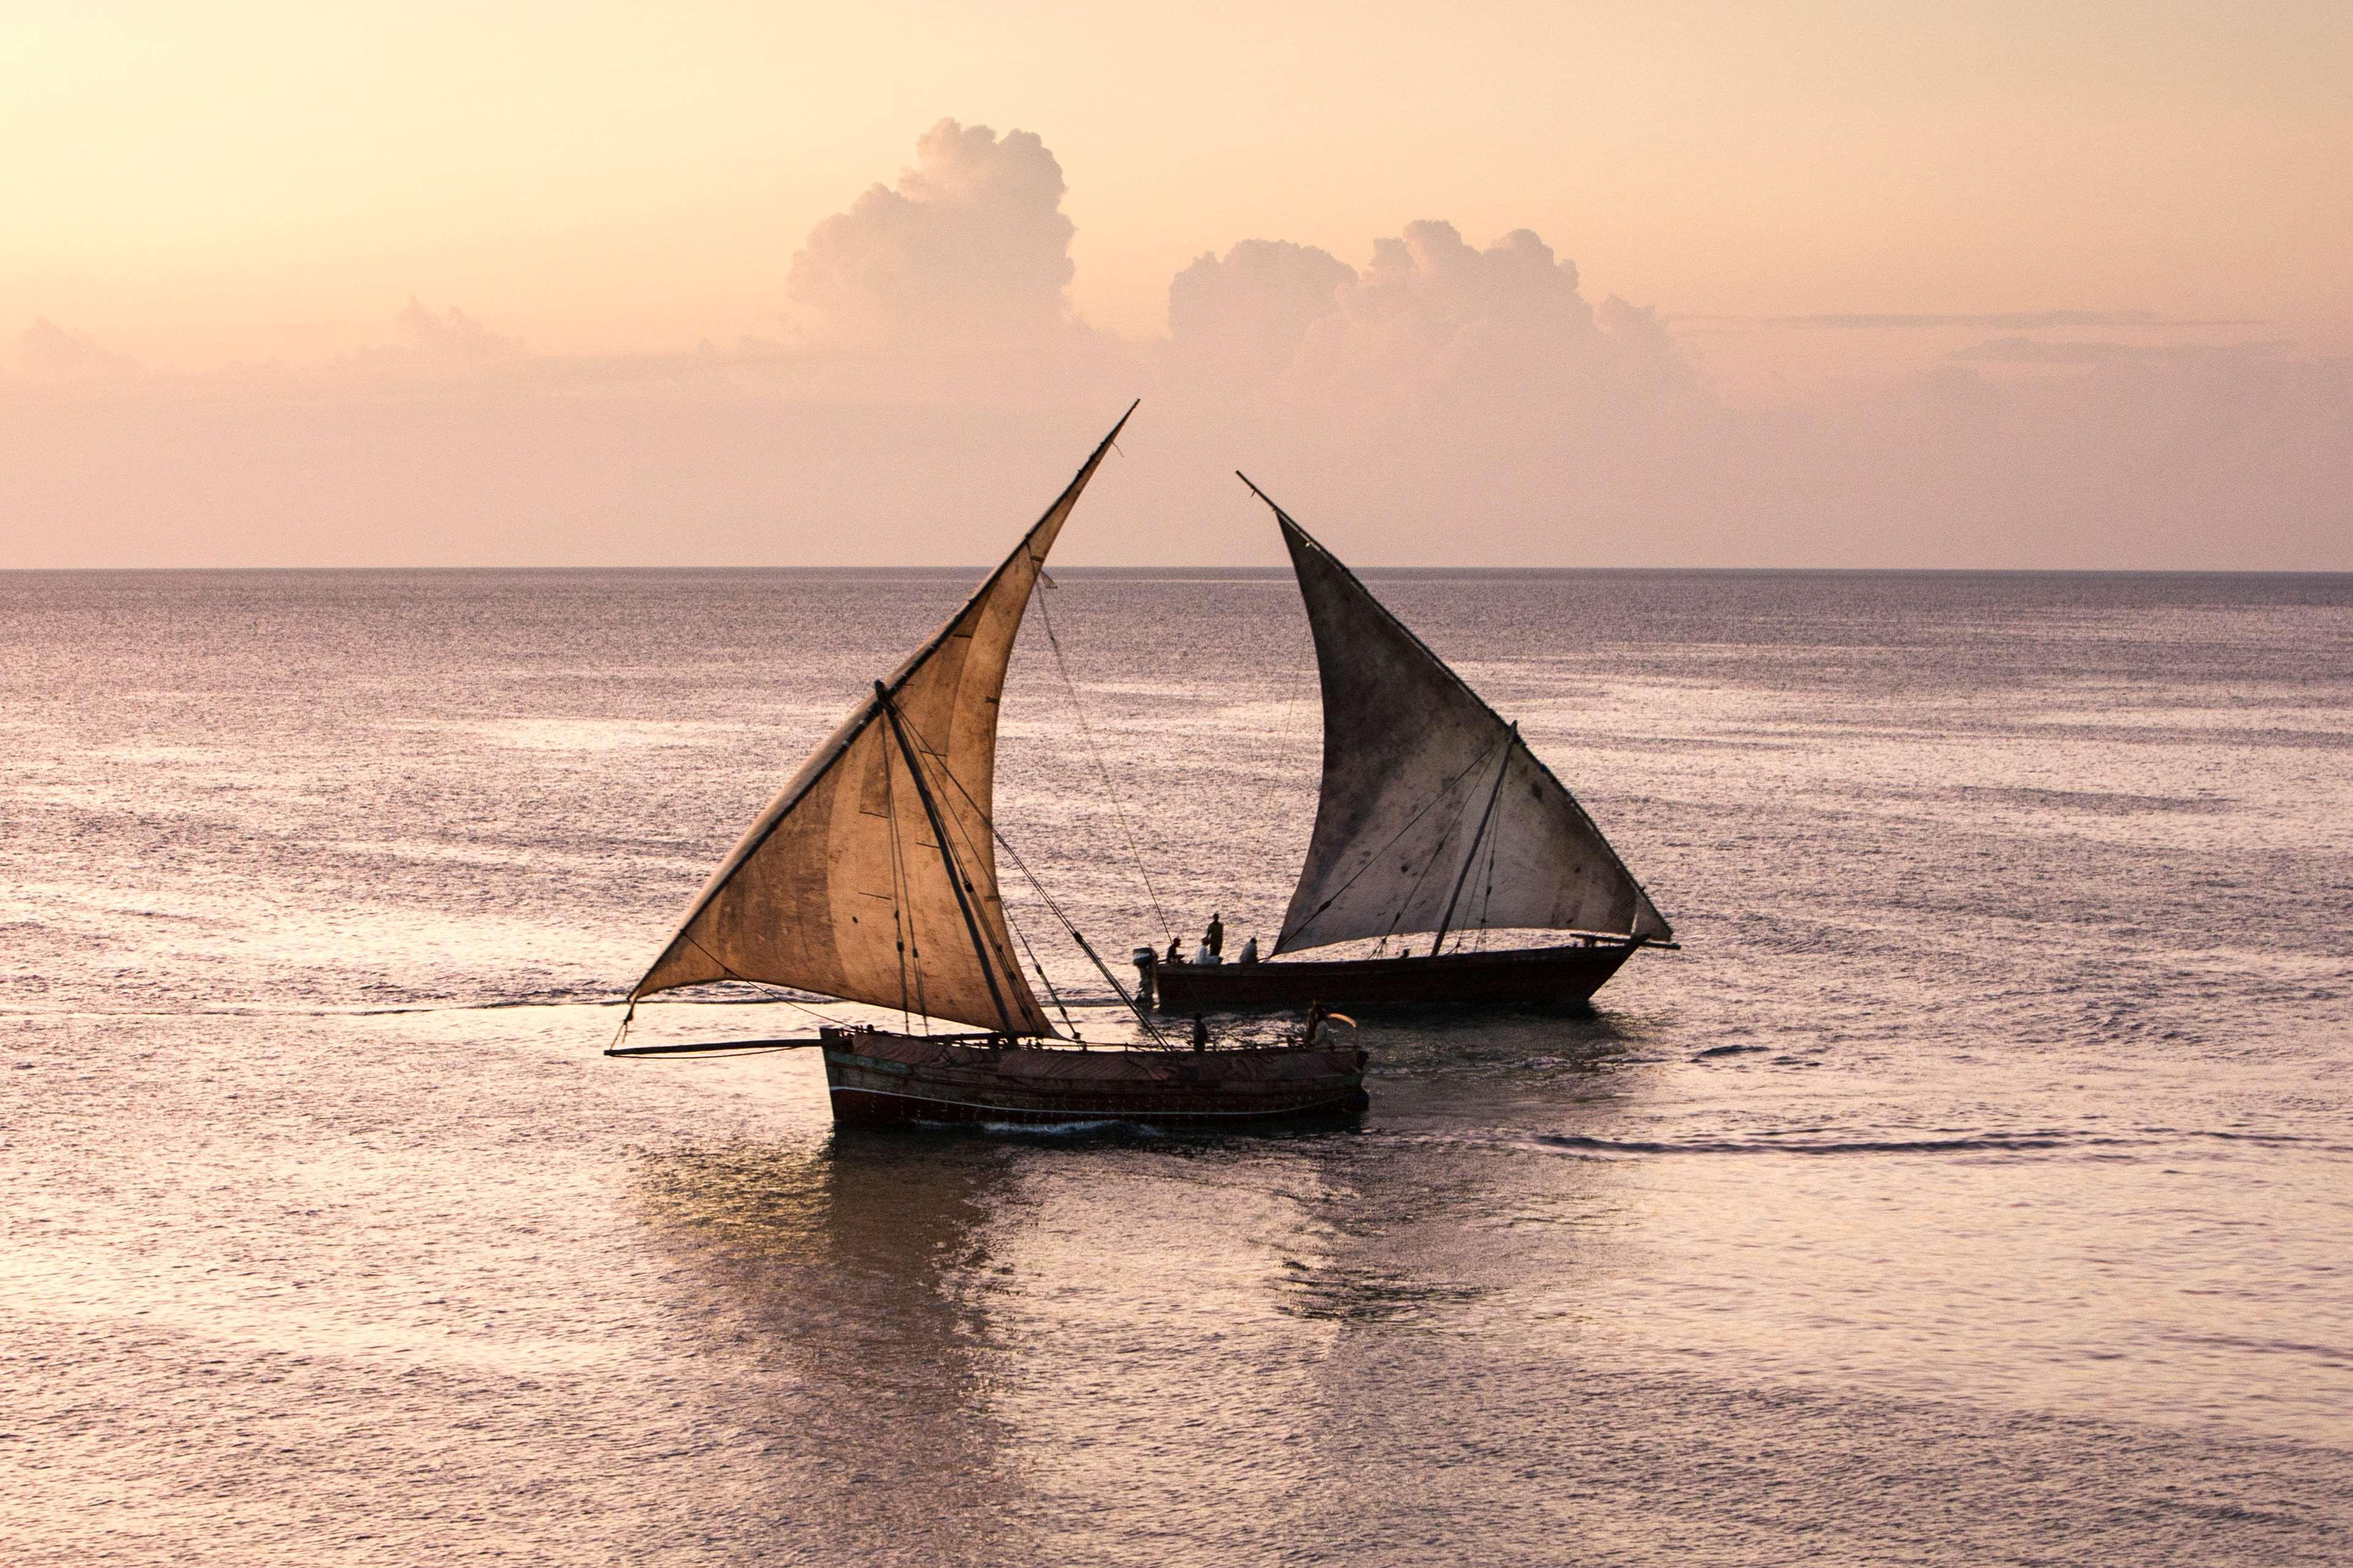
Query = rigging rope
x=1374 y=858
x=898 y=921
x=1023 y=938
x=967 y=897
x=1487 y=897
x=1406 y=903
x=1111 y=789
x=764 y=984
x=1052 y=907
x=957 y=829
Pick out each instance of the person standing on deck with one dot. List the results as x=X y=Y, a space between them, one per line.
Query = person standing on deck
x=1216 y=936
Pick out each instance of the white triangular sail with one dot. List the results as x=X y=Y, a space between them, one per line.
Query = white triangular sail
x=840 y=886
x=1434 y=815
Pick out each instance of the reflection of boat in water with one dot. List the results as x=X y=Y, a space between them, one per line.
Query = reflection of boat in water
x=871 y=876
x=836 y=1293
x=1435 y=819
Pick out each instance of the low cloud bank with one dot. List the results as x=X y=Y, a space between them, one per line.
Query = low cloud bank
x=1442 y=403
x=46 y=351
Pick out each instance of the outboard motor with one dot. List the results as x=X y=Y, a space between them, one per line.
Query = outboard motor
x=1148 y=966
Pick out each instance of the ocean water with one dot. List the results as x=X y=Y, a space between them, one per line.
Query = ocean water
x=1974 y=1187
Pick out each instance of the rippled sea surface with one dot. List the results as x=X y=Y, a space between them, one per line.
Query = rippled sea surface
x=1976 y=1187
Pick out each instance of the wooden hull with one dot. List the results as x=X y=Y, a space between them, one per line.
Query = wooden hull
x=877 y=1077
x=1571 y=974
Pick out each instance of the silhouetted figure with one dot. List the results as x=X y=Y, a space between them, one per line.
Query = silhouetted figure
x=1249 y=951
x=1315 y=1012
x=1216 y=936
x=1176 y=950
x=1201 y=1033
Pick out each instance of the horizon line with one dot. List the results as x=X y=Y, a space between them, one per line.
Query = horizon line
x=1268 y=571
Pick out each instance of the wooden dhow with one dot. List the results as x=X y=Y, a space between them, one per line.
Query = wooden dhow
x=1434 y=819
x=871 y=877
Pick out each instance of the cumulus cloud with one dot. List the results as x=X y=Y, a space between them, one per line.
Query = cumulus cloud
x=1247 y=313
x=1441 y=377
x=1433 y=327
x=1454 y=402
x=1446 y=402
x=453 y=337
x=439 y=345
x=971 y=247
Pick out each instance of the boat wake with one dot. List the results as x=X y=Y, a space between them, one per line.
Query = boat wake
x=1057 y=1130
x=1967 y=1143
x=2039 y=1141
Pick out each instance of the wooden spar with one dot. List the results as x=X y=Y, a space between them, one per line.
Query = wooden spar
x=1262 y=495
x=1471 y=857
x=947 y=856
x=712 y=1048
x=1077 y=935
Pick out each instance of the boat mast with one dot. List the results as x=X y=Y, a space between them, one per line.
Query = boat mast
x=1470 y=854
x=947 y=855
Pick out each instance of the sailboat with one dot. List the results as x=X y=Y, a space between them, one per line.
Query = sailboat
x=1435 y=819
x=871 y=877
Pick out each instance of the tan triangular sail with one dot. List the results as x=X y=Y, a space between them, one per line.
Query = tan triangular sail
x=840 y=886
x=1434 y=815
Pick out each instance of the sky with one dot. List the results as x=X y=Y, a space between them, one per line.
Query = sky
x=1819 y=283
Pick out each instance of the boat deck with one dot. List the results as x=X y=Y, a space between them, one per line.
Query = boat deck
x=1564 y=974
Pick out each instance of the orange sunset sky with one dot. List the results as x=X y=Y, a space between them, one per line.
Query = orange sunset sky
x=1828 y=283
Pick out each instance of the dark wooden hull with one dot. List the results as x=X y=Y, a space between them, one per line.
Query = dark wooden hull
x=1571 y=974
x=877 y=1077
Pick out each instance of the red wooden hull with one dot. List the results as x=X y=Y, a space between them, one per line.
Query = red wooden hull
x=1569 y=973
x=877 y=1077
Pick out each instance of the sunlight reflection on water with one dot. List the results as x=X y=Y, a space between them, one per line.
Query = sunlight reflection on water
x=1973 y=1183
